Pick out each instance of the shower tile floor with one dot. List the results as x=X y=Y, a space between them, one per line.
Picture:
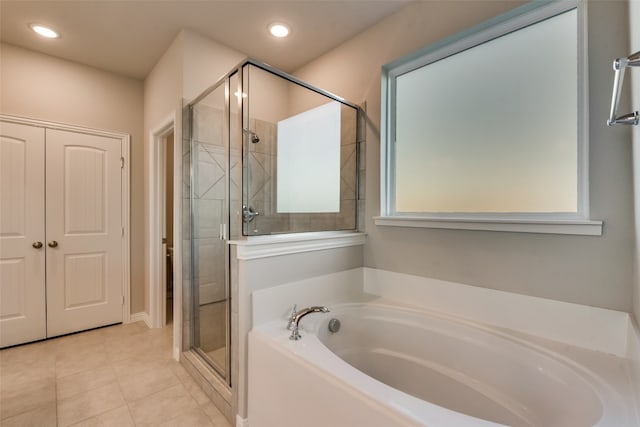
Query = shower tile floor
x=120 y=376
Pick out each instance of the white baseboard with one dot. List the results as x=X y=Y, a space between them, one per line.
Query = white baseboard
x=241 y=422
x=141 y=316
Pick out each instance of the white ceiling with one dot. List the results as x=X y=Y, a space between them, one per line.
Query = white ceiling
x=129 y=36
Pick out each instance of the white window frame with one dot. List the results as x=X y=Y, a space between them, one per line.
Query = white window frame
x=555 y=223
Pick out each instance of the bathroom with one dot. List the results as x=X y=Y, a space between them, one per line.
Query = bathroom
x=595 y=271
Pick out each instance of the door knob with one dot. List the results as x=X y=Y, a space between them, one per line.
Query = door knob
x=37 y=245
x=53 y=244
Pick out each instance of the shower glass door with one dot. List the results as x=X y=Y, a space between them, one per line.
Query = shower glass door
x=300 y=156
x=209 y=223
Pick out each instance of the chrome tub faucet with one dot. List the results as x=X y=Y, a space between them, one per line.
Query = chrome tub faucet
x=296 y=316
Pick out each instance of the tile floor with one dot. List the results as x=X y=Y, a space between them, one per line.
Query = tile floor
x=120 y=376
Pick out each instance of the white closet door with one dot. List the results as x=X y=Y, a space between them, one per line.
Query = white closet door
x=22 y=262
x=84 y=231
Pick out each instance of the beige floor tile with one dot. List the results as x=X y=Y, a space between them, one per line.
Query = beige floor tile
x=135 y=365
x=79 y=342
x=192 y=418
x=27 y=353
x=135 y=345
x=26 y=363
x=162 y=406
x=74 y=344
x=79 y=360
x=124 y=329
x=93 y=374
x=84 y=381
x=163 y=345
x=44 y=416
x=147 y=382
x=121 y=351
x=196 y=392
x=215 y=415
x=180 y=372
x=24 y=397
x=89 y=404
x=16 y=375
x=119 y=417
x=158 y=338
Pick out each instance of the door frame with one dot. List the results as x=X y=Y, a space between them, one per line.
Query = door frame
x=156 y=222
x=125 y=140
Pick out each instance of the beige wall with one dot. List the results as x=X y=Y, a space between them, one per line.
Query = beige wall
x=581 y=269
x=163 y=86
x=205 y=62
x=43 y=87
x=269 y=96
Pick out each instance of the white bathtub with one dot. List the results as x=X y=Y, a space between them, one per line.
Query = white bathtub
x=393 y=366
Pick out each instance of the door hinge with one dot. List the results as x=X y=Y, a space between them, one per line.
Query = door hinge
x=122 y=299
x=122 y=231
x=121 y=162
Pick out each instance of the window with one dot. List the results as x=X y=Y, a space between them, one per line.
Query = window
x=308 y=171
x=486 y=130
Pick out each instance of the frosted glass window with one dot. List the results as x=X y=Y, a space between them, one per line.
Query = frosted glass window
x=309 y=161
x=491 y=128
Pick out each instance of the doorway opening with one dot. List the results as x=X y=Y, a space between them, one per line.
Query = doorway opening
x=163 y=259
x=167 y=240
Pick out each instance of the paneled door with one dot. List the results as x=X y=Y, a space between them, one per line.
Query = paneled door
x=84 y=231
x=22 y=234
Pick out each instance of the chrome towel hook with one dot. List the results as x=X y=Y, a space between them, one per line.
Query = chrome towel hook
x=619 y=65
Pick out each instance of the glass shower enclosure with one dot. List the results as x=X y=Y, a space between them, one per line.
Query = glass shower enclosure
x=264 y=154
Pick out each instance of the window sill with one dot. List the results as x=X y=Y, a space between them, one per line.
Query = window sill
x=577 y=227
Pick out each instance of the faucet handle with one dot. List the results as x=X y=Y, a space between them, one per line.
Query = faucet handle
x=292 y=317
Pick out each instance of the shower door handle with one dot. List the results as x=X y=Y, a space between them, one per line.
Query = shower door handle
x=223 y=232
x=248 y=214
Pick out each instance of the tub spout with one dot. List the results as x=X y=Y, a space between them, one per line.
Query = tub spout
x=296 y=316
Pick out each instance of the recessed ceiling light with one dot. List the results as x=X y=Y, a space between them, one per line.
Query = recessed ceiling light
x=279 y=30
x=44 y=31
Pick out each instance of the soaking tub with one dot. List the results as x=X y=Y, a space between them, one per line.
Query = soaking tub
x=395 y=366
